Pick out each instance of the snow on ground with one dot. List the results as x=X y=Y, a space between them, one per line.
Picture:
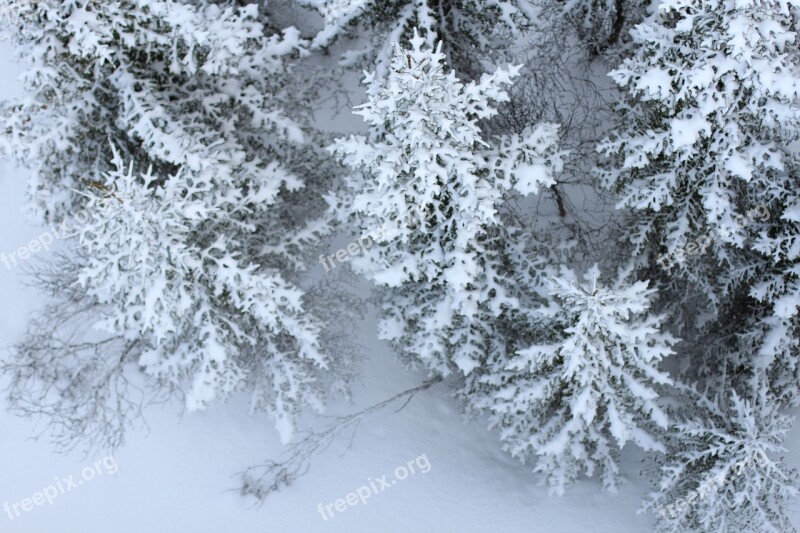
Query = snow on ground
x=178 y=475
x=174 y=480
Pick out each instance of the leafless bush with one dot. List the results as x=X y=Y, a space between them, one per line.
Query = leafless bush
x=84 y=385
x=559 y=84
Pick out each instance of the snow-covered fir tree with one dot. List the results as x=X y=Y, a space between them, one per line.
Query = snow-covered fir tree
x=207 y=317
x=165 y=82
x=428 y=177
x=194 y=251
x=714 y=115
x=706 y=162
x=724 y=472
x=473 y=32
x=570 y=402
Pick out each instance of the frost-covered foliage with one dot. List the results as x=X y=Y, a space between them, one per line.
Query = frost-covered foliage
x=160 y=259
x=572 y=402
x=724 y=472
x=426 y=170
x=713 y=120
x=599 y=24
x=171 y=84
x=473 y=31
x=712 y=124
x=715 y=87
x=194 y=251
x=189 y=145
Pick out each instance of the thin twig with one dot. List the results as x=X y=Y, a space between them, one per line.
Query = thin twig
x=262 y=480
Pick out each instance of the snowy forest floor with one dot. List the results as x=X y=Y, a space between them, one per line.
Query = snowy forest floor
x=179 y=475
